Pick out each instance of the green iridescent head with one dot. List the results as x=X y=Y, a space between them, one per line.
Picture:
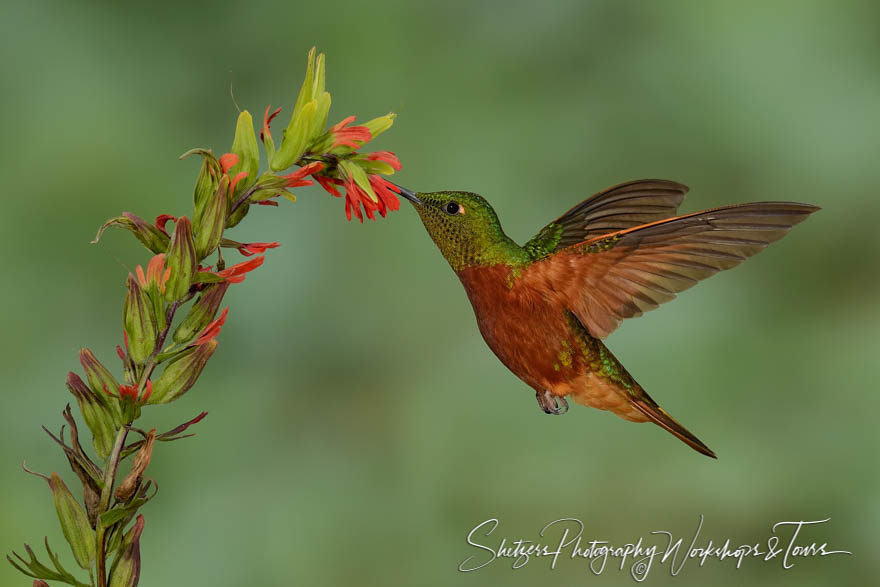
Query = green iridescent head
x=464 y=227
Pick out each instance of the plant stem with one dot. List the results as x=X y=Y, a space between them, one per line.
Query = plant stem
x=243 y=198
x=106 y=494
x=160 y=340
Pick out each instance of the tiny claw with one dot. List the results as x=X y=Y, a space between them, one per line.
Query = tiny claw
x=564 y=405
x=552 y=404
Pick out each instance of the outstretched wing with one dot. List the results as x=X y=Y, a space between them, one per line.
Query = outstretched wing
x=617 y=208
x=624 y=274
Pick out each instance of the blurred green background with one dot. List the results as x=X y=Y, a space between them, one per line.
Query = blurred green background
x=358 y=426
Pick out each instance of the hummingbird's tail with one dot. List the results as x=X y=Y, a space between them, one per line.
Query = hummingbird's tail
x=658 y=415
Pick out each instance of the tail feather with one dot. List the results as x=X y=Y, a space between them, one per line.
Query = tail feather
x=658 y=415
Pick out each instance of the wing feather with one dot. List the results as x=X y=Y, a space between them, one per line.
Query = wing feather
x=619 y=207
x=623 y=274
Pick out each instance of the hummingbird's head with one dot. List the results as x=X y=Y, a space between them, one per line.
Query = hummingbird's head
x=462 y=224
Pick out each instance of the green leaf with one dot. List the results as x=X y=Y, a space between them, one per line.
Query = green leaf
x=116 y=514
x=379 y=125
x=74 y=523
x=150 y=236
x=359 y=176
x=205 y=277
x=245 y=146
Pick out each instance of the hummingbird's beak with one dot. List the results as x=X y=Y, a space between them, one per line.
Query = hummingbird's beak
x=411 y=196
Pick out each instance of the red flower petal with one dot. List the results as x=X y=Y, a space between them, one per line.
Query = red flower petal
x=295 y=179
x=386 y=156
x=383 y=189
x=327 y=184
x=236 y=273
x=162 y=220
x=267 y=121
x=142 y=280
x=147 y=392
x=128 y=392
x=352 y=200
x=227 y=160
x=248 y=249
x=240 y=176
x=342 y=123
x=347 y=136
x=212 y=330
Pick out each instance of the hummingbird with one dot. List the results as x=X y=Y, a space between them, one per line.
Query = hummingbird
x=545 y=307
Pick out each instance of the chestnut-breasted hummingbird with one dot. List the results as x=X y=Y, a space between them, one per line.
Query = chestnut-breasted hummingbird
x=544 y=307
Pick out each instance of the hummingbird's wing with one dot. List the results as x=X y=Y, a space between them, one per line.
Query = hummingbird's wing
x=606 y=279
x=617 y=208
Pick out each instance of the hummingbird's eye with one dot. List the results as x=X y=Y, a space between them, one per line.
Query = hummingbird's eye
x=452 y=208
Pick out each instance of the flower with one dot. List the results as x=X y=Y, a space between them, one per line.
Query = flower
x=295 y=179
x=227 y=162
x=248 y=249
x=386 y=156
x=347 y=137
x=155 y=275
x=267 y=121
x=327 y=183
x=162 y=221
x=384 y=190
x=276 y=185
x=130 y=392
x=212 y=330
x=236 y=273
x=354 y=198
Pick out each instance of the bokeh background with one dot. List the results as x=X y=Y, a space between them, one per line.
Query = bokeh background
x=358 y=426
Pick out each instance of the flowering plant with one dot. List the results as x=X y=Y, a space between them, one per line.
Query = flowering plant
x=172 y=318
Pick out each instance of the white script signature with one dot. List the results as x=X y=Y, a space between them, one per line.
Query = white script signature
x=564 y=539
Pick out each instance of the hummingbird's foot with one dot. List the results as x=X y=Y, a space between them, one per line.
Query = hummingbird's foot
x=551 y=403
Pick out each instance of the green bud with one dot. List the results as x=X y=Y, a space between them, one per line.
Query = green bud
x=268 y=186
x=308 y=117
x=126 y=568
x=379 y=125
x=245 y=146
x=322 y=97
x=182 y=373
x=74 y=523
x=102 y=382
x=181 y=260
x=375 y=167
x=320 y=75
x=296 y=137
x=206 y=184
x=307 y=90
x=98 y=418
x=150 y=236
x=321 y=111
x=213 y=221
x=139 y=322
x=202 y=312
